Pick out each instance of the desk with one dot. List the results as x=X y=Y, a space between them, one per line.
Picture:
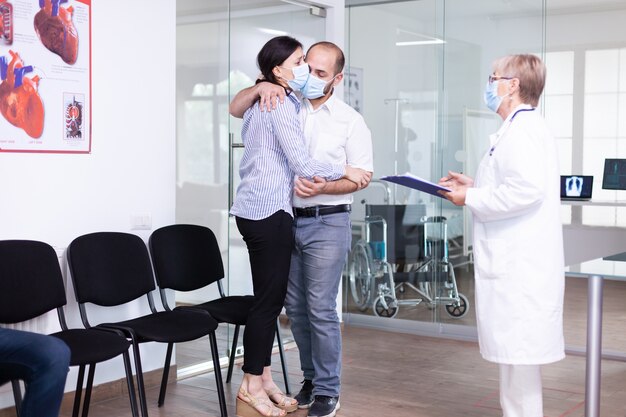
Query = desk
x=612 y=267
x=599 y=203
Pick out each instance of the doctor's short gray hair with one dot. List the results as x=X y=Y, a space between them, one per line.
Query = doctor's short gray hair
x=529 y=70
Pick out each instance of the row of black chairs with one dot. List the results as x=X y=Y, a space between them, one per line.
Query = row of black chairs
x=111 y=269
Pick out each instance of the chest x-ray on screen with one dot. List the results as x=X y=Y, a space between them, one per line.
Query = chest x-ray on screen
x=573 y=186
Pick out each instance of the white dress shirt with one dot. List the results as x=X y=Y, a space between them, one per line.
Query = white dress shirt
x=274 y=152
x=335 y=133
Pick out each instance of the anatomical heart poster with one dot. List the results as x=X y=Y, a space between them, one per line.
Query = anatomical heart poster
x=45 y=76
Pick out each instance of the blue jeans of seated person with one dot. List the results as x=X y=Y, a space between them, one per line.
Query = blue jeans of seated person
x=42 y=363
x=319 y=256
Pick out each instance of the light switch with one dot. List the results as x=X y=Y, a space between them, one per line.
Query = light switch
x=141 y=221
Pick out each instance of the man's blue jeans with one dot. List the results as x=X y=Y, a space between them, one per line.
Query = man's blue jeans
x=321 y=246
x=42 y=363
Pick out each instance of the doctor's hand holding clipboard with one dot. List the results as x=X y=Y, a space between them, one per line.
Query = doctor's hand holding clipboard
x=458 y=183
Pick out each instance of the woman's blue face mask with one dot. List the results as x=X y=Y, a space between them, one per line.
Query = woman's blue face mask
x=492 y=99
x=300 y=76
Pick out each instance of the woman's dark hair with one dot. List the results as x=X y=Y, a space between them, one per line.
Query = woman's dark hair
x=274 y=53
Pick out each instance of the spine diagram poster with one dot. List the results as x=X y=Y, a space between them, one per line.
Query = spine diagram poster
x=45 y=76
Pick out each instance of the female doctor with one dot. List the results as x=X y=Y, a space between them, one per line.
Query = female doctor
x=518 y=240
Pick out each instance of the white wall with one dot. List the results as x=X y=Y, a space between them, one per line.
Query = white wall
x=131 y=169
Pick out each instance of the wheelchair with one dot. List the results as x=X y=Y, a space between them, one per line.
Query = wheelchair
x=420 y=262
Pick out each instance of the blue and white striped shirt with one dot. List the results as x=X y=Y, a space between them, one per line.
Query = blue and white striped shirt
x=274 y=152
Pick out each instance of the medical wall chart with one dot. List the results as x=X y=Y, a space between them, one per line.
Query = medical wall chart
x=45 y=76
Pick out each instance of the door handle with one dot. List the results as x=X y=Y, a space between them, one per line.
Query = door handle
x=231 y=158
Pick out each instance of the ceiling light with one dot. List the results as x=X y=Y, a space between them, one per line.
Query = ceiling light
x=434 y=41
x=409 y=38
x=273 y=32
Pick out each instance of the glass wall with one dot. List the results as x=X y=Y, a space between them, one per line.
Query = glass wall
x=394 y=78
x=416 y=70
x=422 y=73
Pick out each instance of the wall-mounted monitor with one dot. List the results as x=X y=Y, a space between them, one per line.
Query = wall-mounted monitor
x=614 y=174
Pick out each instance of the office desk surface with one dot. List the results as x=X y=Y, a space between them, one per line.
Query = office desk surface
x=594 y=202
x=609 y=267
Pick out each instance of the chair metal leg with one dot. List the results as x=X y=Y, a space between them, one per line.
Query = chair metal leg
x=140 y=386
x=283 y=362
x=79 y=390
x=233 y=351
x=166 y=372
x=218 y=374
x=90 y=374
x=131 y=384
x=17 y=396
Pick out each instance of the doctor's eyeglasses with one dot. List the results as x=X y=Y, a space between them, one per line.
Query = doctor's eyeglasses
x=493 y=78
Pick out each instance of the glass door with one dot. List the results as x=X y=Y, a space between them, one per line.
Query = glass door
x=249 y=31
x=202 y=34
x=217 y=44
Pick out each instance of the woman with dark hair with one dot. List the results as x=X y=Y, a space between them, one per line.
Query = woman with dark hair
x=274 y=154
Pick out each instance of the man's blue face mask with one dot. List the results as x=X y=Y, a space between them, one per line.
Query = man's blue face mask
x=315 y=87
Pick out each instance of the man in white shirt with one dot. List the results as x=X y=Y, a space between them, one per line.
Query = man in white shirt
x=334 y=133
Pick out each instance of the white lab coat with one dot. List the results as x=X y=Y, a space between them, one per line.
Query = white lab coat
x=518 y=245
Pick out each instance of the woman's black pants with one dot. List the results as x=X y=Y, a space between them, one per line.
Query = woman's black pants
x=269 y=242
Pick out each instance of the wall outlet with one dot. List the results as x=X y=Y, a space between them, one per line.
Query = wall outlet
x=141 y=221
x=238 y=351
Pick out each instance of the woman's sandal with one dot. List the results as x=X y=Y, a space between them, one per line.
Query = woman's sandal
x=285 y=403
x=250 y=406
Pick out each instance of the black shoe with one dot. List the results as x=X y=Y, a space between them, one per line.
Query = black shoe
x=324 y=406
x=305 y=396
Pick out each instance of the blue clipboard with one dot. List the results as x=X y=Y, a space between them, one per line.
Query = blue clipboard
x=417 y=183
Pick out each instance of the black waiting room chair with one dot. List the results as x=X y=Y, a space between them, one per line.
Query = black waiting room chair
x=31 y=284
x=111 y=269
x=186 y=258
x=17 y=394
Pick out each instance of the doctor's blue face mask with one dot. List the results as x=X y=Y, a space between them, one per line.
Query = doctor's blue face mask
x=492 y=99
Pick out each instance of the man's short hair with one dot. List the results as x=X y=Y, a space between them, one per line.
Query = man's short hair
x=340 y=59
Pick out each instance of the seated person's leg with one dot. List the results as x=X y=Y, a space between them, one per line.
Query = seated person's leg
x=42 y=362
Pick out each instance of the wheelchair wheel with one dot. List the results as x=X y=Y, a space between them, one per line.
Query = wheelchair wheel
x=460 y=310
x=361 y=275
x=386 y=306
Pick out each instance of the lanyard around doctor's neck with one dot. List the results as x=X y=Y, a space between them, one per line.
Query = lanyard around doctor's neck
x=493 y=148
